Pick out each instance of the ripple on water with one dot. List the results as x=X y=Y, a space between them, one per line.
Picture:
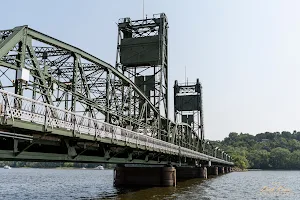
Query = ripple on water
x=98 y=184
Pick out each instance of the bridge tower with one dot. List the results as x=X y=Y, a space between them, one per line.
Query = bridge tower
x=142 y=56
x=188 y=110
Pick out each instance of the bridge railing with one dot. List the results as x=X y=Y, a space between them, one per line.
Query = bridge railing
x=16 y=107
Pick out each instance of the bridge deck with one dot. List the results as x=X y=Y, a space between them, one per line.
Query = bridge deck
x=27 y=114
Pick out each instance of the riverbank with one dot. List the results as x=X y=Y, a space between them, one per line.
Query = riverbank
x=237 y=169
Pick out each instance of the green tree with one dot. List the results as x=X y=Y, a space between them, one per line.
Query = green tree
x=240 y=161
x=67 y=164
x=294 y=160
x=259 y=159
x=279 y=158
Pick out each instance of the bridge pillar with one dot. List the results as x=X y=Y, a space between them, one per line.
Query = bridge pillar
x=203 y=172
x=213 y=171
x=225 y=170
x=145 y=176
x=228 y=169
x=191 y=172
x=187 y=172
x=221 y=170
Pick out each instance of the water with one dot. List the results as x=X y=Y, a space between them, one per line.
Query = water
x=98 y=184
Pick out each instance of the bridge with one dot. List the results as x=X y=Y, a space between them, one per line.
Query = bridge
x=59 y=103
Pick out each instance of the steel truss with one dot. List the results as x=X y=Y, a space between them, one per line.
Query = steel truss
x=63 y=75
x=142 y=56
x=71 y=79
x=41 y=130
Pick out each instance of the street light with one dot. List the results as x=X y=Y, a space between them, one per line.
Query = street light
x=206 y=149
x=219 y=154
x=215 y=151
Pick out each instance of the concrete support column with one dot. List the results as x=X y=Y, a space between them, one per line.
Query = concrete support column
x=221 y=170
x=191 y=172
x=183 y=173
x=225 y=170
x=213 y=171
x=228 y=169
x=203 y=172
x=168 y=176
x=145 y=176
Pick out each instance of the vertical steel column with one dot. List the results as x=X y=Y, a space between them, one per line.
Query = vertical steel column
x=74 y=88
x=74 y=83
x=107 y=102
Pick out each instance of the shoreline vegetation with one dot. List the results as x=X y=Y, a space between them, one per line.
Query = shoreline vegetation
x=237 y=169
x=264 y=151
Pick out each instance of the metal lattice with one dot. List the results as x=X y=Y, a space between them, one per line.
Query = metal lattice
x=130 y=95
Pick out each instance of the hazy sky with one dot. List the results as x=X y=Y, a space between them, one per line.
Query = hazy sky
x=245 y=53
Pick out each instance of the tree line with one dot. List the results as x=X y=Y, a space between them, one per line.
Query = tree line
x=263 y=151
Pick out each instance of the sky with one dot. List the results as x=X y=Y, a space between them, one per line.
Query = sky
x=246 y=53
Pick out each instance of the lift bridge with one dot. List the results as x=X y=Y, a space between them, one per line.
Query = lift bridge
x=60 y=103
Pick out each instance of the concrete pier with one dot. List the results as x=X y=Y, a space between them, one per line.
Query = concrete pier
x=162 y=176
x=221 y=170
x=225 y=170
x=203 y=172
x=213 y=171
x=191 y=172
x=145 y=176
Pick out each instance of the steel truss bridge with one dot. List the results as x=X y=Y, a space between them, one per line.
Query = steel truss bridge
x=59 y=103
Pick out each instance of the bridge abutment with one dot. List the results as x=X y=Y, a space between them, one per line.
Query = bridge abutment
x=144 y=176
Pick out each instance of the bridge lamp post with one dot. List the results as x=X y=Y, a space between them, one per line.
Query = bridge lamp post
x=219 y=153
x=206 y=149
x=215 y=151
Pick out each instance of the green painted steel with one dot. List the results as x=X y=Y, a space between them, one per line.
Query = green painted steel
x=47 y=70
x=81 y=134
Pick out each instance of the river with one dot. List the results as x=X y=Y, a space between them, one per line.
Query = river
x=63 y=184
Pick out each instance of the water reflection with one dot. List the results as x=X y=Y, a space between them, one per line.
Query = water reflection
x=156 y=193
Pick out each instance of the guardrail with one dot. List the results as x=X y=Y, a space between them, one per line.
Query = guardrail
x=19 y=107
